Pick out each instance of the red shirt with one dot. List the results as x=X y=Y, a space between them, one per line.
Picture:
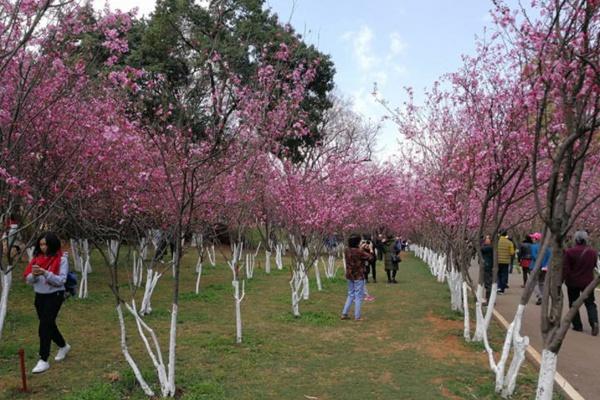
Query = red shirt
x=579 y=263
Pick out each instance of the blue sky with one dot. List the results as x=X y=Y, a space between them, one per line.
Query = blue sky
x=395 y=43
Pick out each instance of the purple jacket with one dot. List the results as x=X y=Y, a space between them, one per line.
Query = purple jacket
x=578 y=267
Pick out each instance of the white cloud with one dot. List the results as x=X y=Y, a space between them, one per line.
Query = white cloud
x=362 y=43
x=397 y=45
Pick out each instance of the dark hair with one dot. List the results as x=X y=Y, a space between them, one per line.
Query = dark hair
x=353 y=241
x=527 y=239
x=503 y=232
x=52 y=242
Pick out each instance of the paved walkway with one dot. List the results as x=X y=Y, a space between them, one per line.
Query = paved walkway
x=579 y=357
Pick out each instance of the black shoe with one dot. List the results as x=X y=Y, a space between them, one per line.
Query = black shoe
x=595 y=329
x=578 y=328
x=394 y=281
x=389 y=281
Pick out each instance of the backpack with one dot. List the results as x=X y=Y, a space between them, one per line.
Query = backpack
x=71 y=284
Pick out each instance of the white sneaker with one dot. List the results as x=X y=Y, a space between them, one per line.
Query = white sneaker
x=62 y=352
x=40 y=367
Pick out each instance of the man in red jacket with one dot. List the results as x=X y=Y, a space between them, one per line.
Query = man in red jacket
x=579 y=263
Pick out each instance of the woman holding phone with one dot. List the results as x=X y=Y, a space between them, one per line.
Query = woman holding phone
x=47 y=273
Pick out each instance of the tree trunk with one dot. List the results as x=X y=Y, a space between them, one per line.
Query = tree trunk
x=545 y=386
x=5 y=285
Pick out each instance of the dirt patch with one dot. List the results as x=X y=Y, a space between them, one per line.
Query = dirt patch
x=441 y=324
x=444 y=343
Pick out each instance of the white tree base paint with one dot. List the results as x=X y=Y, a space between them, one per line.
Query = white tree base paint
x=5 y=285
x=317 y=275
x=467 y=317
x=128 y=358
x=152 y=278
x=198 y=274
x=519 y=347
x=267 y=262
x=238 y=296
x=545 y=386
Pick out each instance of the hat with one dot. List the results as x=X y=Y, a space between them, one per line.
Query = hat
x=536 y=236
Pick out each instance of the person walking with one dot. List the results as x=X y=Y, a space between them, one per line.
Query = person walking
x=545 y=261
x=506 y=250
x=487 y=254
x=391 y=259
x=525 y=258
x=356 y=256
x=579 y=263
x=47 y=273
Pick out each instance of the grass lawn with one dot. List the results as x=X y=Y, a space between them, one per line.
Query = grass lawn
x=410 y=346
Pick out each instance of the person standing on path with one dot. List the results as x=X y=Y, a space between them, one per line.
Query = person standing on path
x=579 y=263
x=356 y=256
x=506 y=250
x=47 y=273
x=525 y=258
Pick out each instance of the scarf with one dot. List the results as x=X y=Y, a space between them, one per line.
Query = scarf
x=49 y=263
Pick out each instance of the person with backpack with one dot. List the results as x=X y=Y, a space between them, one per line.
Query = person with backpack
x=47 y=273
x=525 y=258
x=579 y=263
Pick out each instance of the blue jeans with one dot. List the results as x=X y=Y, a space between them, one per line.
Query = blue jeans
x=356 y=293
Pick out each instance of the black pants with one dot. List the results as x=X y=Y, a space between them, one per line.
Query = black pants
x=47 y=307
x=370 y=268
x=502 y=276
x=525 y=274
x=590 y=306
x=391 y=274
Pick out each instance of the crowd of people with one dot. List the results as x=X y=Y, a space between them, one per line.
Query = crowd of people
x=362 y=254
x=579 y=263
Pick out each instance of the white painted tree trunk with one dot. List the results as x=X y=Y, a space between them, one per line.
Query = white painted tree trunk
x=5 y=285
x=483 y=323
x=166 y=375
x=545 y=386
x=124 y=349
x=279 y=256
x=296 y=286
x=85 y=247
x=318 y=275
x=30 y=251
x=199 y=274
x=305 y=287
x=172 y=347
x=249 y=265
x=212 y=258
x=75 y=253
x=238 y=297
x=83 y=285
x=267 y=261
x=467 y=317
x=344 y=260
x=455 y=285
x=520 y=344
x=152 y=278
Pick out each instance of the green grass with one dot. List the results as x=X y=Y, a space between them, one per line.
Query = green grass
x=410 y=346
